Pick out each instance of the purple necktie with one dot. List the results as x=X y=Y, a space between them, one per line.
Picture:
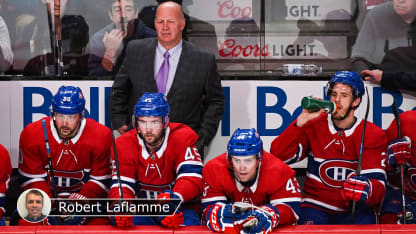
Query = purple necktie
x=162 y=76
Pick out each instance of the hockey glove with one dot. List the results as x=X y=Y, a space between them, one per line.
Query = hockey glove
x=357 y=188
x=410 y=214
x=224 y=218
x=175 y=220
x=267 y=219
x=67 y=219
x=122 y=221
x=399 y=151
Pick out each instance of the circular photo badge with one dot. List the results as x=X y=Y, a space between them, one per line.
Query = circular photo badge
x=33 y=205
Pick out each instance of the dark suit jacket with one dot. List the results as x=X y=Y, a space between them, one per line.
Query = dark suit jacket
x=399 y=80
x=196 y=97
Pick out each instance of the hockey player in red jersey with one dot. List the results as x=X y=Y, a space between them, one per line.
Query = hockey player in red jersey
x=5 y=174
x=248 y=190
x=332 y=145
x=158 y=159
x=79 y=150
x=401 y=152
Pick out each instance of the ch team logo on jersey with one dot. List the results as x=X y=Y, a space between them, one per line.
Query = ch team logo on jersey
x=334 y=172
x=411 y=178
x=68 y=180
x=151 y=191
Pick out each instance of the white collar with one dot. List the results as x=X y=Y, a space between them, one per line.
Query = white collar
x=348 y=132
x=253 y=187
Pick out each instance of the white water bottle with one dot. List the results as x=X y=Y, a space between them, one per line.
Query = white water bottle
x=301 y=69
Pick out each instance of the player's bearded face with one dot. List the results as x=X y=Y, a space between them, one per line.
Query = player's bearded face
x=67 y=125
x=343 y=97
x=151 y=129
x=34 y=204
x=245 y=167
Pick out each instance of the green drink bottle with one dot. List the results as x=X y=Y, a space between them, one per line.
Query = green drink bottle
x=314 y=105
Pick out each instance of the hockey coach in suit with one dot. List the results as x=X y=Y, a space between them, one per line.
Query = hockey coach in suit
x=185 y=74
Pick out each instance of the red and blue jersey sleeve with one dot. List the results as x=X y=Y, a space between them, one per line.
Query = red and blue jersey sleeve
x=5 y=174
x=188 y=165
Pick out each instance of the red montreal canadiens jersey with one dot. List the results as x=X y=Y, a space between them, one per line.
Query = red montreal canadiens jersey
x=275 y=184
x=176 y=165
x=407 y=127
x=81 y=164
x=5 y=174
x=332 y=156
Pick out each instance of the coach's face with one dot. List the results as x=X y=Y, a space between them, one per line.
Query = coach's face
x=67 y=125
x=169 y=23
x=405 y=8
x=34 y=205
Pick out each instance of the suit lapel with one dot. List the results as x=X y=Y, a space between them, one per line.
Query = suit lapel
x=152 y=52
x=180 y=73
x=146 y=62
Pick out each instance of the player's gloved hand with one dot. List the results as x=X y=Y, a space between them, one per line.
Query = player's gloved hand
x=357 y=188
x=410 y=214
x=175 y=220
x=70 y=219
x=267 y=219
x=221 y=218
x=399 y=151
x=122 y=221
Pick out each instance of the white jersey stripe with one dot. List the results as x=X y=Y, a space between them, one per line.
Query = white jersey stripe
x=32 y=181
x=284 y=200
x=32 y=175
x=323 y=204
x=211 y=199
x=197 y=163
x=189 y=175
x=101 y=177
x=127 y=179
x=100 y=184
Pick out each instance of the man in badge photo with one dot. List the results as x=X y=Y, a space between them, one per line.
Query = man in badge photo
x=34 y=205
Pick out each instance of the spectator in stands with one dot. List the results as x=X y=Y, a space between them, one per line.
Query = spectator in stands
x=40 y=41
x=107 y=47
x=391 y=80
x=19 y=15
x=241 y=32
x=383 y=40
x=73 y=43
x=6 y=53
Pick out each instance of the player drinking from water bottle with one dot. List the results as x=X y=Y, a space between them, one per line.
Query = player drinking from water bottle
x=332 y=143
